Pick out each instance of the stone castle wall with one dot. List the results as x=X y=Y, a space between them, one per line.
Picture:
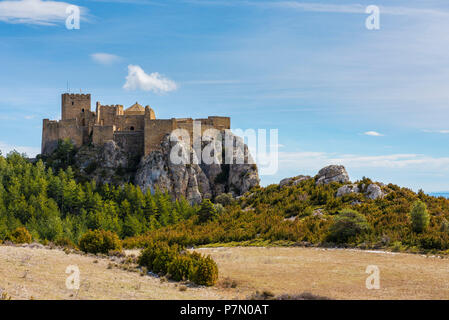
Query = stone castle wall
x=137 y=130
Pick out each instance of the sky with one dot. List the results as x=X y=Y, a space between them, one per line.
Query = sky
x=375 y=101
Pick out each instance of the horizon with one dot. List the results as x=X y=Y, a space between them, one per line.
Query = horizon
x=375 y=101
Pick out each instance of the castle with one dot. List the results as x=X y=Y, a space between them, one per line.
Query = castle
x=135 y=129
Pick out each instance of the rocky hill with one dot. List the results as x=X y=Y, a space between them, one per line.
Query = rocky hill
x=110 y=164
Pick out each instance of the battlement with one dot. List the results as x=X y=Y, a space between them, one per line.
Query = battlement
x=112 y=106
x=76 y=95
x=135 y=129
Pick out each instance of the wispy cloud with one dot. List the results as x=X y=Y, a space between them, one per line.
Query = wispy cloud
x=137 y=79
x=38 y=12
x=316 y=160
x=105 y=58
x=373 y=134
x=436 y=131
x=325 y=7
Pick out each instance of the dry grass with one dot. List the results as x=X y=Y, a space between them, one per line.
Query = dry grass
x=337 y=274
x=27 y=273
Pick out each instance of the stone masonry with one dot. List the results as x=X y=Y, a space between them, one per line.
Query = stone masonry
x=135 y=129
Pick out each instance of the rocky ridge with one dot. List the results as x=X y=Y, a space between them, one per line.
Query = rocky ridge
x=338 y=173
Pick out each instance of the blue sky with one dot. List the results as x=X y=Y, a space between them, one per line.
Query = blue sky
x=312 y=70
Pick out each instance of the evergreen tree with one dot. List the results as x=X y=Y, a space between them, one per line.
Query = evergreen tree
x=419 y=216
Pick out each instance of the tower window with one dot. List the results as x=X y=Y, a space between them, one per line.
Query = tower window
x=82 y=110
x=72 y=103
x=132 y=128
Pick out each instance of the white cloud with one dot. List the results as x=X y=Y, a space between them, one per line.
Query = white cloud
x=105 y=58
x=34 y=11
x=373 y=134
x=137 y=79
x=30 y=151
x=325 y=7
x=437 y=131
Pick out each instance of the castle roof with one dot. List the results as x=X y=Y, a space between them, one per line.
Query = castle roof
x=136 y=107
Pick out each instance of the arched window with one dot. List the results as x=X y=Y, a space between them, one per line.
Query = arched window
x=82 y=110
x=131 y=128
x=73 y=103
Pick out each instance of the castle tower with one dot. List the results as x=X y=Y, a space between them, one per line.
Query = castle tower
x=73 y=106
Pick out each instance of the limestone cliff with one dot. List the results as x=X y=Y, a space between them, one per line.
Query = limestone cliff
x=195 y=181
x=110 y=164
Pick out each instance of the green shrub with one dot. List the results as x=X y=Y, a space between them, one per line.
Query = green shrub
x=224 y=199
x=65 y=242
x=177 y=265
x=100 y=241
x=207 y=211
x=206 y=271
x=21 y=235
x=431 y=242
x=181 y=268
x=419 y=217
x=347 y=224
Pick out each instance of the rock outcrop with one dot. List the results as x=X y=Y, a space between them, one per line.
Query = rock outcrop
x=294 y=181
x=105 y=164
x=372 y=191
x=336 y=173
x=332 y=173
x=185 y=177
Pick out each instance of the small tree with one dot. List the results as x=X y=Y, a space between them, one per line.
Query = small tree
x=347 y=224
x=419 y=216
x=100 y=241
x=21 y=235
x=207 y=211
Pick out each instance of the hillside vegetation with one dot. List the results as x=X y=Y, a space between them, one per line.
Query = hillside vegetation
x=55 y=206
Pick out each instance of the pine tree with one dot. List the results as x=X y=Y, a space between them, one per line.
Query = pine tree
x=207 y=211
x=419 y=216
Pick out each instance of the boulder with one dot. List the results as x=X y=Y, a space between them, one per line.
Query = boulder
x=347 y=189
x=373 y=191
x=332 y=173
x=294 y=181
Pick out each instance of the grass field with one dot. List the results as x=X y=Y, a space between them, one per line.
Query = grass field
x=27 y=273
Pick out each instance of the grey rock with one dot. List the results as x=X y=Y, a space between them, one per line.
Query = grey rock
x=332 y=173
x=294 y=181
x=194 y=181
x=347 y=189
x=374 y=192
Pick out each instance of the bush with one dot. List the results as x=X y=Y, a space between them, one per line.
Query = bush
x=100 y=241
x=224 y=199
x=347 y=224
x=181 y=268
x=177 y=265
x=21 y=235
x=419 y=216
x=206 y=271
x=65 y=242
x=207 y=211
